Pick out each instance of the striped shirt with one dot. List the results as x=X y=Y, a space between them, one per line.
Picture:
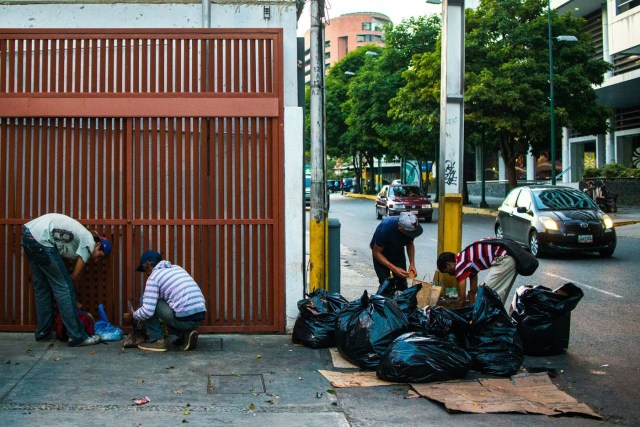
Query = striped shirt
x=475 y=258
x=170 y=283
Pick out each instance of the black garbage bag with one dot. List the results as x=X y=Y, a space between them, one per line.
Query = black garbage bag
x=408 y=299
x=440 y=322
x=366 y=327
x=315 y=326
x=391 y=286
x=494 y=341
x=420 y=359
x=543 y=317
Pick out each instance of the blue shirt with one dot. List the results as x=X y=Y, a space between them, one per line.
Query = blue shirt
x=389 y=238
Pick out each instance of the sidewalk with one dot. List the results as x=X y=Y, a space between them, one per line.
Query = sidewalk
x=260 y=380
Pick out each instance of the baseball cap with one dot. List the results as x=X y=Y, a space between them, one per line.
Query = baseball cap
x=409 y=225
x=149 y=256
x=105 y=246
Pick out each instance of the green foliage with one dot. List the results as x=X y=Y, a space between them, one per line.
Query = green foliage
x=507 y=77
x=390 y=103
x=611 y=170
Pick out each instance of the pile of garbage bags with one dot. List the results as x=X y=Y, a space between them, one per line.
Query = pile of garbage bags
x=316 y=325
x=388 y=333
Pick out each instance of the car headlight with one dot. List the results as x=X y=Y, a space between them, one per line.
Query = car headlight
x=426 y=206
x=398 y=206
x=607 y=221
x=548 y=223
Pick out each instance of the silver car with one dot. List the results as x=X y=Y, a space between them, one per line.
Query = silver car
x=551 y=218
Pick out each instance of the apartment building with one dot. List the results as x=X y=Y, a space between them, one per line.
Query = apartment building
x=346 y=33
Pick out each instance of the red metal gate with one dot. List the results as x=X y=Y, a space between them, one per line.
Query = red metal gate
x=159 y=139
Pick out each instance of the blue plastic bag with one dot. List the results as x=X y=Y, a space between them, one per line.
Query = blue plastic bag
x=106 y=330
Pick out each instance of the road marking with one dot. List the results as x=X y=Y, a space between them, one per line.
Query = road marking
x=586 y=286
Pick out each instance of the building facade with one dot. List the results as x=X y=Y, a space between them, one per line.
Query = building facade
x=181 y=63
x=346 y=33
x=614 y=27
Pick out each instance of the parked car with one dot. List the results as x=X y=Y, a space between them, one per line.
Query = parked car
x=552 y=218
x=393 y=199
x=347 y=185
x=333 y=185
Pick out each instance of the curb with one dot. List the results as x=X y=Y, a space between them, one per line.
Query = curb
x=487 y=212
x=465 y=209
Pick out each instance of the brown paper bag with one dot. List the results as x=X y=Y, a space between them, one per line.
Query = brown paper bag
x=428 y=295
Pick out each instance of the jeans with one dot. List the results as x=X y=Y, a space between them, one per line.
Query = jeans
x=51 y=280
x=167 y=315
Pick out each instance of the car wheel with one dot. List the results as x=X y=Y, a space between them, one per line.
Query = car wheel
x=606 y=253
x=378 y=216
x=534 y=244
x=427 y=218
x=499 y=232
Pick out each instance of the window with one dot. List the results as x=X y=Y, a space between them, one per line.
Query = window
x=625 y=5
x=524 y=200
x=366 y=26
x=368 y=38
x=511 y=198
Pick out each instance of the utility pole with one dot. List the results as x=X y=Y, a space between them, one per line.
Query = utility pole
x=318 y=224
x=450 y=167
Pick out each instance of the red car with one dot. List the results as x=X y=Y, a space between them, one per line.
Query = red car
x=396 y=198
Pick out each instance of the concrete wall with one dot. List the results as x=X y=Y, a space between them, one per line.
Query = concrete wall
x=189 y=14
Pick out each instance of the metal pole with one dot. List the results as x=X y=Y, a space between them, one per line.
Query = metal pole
x=551 y=102
x=318 y=226
x=206 y=14
x=450 y=167
x=379 y=174
x=483 y=200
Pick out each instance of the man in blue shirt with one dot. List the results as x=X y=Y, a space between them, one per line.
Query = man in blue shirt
x=392 y=236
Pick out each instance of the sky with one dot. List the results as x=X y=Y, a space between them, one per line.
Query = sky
x=396 y=10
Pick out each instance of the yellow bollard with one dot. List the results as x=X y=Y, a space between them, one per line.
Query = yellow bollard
x=450 y=223
x=318 y=254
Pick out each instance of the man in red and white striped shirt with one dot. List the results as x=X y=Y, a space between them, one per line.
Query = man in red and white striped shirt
x=475 y=258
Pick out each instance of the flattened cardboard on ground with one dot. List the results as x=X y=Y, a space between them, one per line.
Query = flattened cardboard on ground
x=525 y=393
x=353 y=379
x=339 y=361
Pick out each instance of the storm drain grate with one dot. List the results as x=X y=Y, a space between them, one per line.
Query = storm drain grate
x=209 y=344
x=235 y=384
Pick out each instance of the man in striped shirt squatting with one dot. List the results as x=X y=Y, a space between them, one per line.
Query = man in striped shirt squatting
x=477 y=257
x=170 y=295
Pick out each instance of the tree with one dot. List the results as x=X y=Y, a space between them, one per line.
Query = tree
x=371 y=129
x=507 y=76
x=339 y=139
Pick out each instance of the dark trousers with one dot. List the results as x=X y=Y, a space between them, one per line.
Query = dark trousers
x=383 y=273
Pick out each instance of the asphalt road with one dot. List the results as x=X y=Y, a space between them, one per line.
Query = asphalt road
x=601 y=367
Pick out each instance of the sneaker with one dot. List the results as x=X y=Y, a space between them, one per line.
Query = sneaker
x=157 y=345
x=190 y=340
x=92 y=340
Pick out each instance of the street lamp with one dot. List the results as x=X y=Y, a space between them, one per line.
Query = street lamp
x=551 y=97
